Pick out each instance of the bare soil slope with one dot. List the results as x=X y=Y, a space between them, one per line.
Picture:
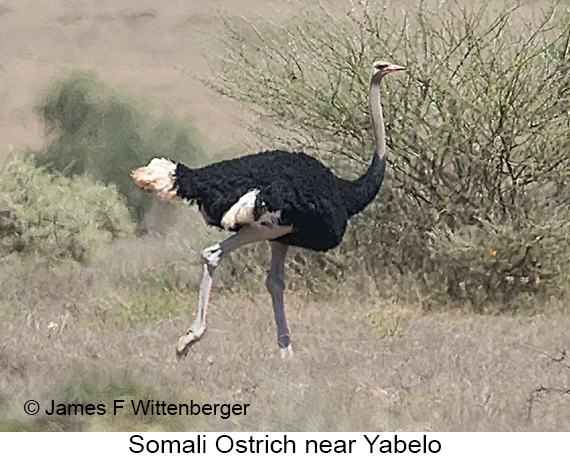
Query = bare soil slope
x=141 y=45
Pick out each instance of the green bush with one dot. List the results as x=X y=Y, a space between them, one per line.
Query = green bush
x=475 y=202
x=105 y=133
x=56 y=217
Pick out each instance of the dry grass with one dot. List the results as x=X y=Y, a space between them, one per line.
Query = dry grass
x=438 y=371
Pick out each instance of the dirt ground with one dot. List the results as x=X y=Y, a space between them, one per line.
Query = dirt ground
x=445 y=371
x=140 y=45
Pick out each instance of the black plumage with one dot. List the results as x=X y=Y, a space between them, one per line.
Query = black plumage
x=308 y=195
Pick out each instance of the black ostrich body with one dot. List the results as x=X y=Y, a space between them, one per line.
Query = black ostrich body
x=310 y=198
x=288 y=199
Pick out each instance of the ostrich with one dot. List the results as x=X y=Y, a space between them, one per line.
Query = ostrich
x=288 y=199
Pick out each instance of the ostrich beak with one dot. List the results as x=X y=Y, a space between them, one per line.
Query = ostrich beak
x=394 y=67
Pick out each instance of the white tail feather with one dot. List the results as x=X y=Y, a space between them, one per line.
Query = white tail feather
x=157 y=177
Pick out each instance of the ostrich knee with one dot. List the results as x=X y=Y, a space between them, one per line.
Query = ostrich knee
x=212 y=255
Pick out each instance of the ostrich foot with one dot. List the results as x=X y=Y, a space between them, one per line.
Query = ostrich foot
x=187 y=339
x=286 y=352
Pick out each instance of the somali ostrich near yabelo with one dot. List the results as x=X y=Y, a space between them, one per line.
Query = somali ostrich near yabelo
x=288 y=199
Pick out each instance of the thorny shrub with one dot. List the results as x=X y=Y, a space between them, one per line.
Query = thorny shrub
x=475 y=202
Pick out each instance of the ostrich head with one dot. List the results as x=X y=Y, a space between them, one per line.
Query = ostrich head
x=381 y=68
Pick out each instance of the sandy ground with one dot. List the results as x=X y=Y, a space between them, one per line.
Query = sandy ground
x=144 y=46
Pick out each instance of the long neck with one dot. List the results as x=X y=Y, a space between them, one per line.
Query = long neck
x=360 y=192
x=377 y=120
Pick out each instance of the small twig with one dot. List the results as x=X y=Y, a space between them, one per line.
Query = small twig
x=541 y=392
x=559 y=359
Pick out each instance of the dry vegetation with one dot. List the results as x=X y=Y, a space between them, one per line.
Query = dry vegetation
x=369 y=354
x=65 y=338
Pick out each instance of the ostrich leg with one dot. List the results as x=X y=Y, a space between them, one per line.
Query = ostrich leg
x=275 y=285
x=211 y=257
